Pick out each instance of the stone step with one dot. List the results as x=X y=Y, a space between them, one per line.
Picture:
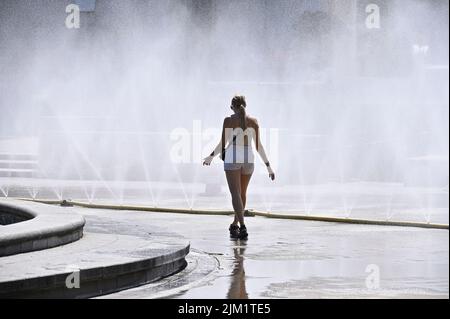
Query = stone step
x=32 y=227
x=103 y=261
x=98 y=264
x=18 y=157
x=18 y=172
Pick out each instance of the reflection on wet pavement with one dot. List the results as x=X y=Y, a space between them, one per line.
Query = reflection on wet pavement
x=237 y=286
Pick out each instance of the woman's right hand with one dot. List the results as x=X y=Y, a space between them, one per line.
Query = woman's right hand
x=207 y=160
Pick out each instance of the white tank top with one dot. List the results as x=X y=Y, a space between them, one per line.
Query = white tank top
x=237 y=151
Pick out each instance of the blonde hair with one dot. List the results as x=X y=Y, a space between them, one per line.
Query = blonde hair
x=238 y=102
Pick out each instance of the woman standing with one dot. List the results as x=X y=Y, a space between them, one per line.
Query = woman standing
x=238 y=131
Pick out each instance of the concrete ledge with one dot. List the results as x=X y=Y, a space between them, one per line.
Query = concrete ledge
x=105 y=263
x=32 y=227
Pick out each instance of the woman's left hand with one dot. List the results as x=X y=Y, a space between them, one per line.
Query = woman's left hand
x=271 y=173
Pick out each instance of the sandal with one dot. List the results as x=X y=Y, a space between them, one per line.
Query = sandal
x=234 y=231
x=243 y=232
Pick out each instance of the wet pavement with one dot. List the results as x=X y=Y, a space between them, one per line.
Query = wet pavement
x=290 y=258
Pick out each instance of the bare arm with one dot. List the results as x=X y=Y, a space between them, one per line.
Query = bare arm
x=259 y=147
x=223 y=141
x=262 y=152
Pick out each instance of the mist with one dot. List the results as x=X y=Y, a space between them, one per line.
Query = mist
x=355 y=117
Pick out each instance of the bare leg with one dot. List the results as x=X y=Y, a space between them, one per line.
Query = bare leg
x=234 y=184
x=245 y=180
x=236 y=219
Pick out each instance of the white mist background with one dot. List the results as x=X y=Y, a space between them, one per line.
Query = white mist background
x=359 y=117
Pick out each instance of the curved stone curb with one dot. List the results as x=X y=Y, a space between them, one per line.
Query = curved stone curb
x=36 y=227
x=103 y=264
x=201 y=268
